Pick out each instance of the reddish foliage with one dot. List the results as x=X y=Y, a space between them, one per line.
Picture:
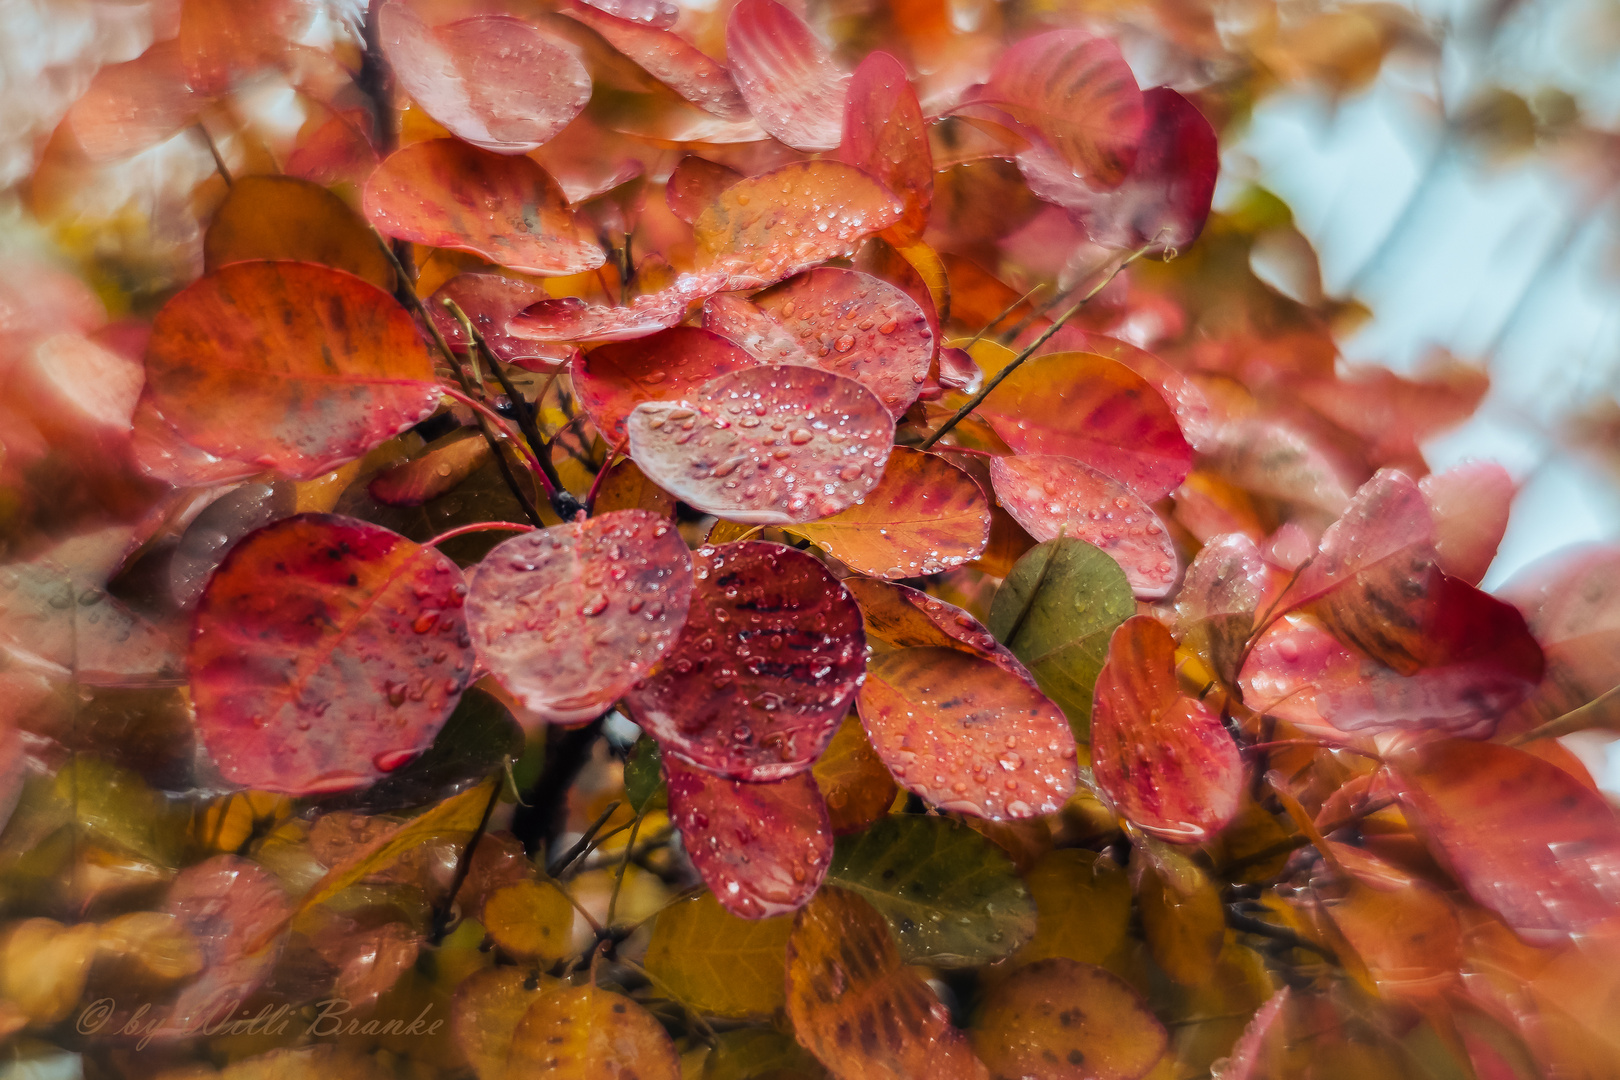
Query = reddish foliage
x=490 y=301
x=611 y=380
x=668 y=58
x=791 y=83
x=134 y=105
x=885 y=134
x=695 y=183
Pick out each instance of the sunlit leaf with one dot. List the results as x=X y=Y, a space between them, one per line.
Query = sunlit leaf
x=1408 y=939
x=768 y=445
x=238 y=359
x=43 y=968
x=279 y=217
x=856 y=1008
x=568 y=618
x=445 y=193
x=612 y=379
x=627 y=488
x=1217 y=602
x=495 y=81
x=853 y=780
x=582 y=1033
x=1082 y=904
x=327 y=653
x=1164 y=758
x=485 y=1012
x=761 y=847
x=531 y=920
x=951 y=897
x=717 y=962
x=765 y=669
x=1066 y=1021
x=788 y=78
x=668 y=58
x=220 y=40
x=885 y=134
x=1182 y=917
x=1572 y=605
x=490 y=301
x=338 y=152
x=906 y=618
x=1056 y=611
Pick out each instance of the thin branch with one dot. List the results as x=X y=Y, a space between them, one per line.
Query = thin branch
x=441 y=915
x=1590 y=715
x=624 y=867
x=560 y=865
x=1259 y=927
x=601 y=474
x=1006 y=311
x=219 y=159
x=516 y=438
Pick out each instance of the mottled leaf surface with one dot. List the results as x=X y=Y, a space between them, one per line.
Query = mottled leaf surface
x=584 y=1033
x=1067 y=1021
x=612 y=379
x=885 y=135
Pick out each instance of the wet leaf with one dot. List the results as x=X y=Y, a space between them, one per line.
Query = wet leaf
x=1182 y=917
x=1064 y=1020
x=1469 y=504
x=717 y=962
x=279 y=217
x=583 y=1033
x=748 y=1053
x=790 y=81
x=761 y=848
x=1056 y=611
x=495 y=81
x=885 y=135
x=445 y=193
x=439 y=470
x=571 y=319
x=952 y=898
x=231 y=907
x=904 y=617
x=237 y=358
x=967 y=735
x=1526 y=839
x=1082 y=904
x=1164 y=758
x=327 y=653
x=765 y=669
x=695 y=183
x=766 y=445
x=669 y=59
x=612 y=379
x=925 y=516
x=1218 y=600
x=1096 y=410
x=220 y=40
x=644 y=777
x=1054 y=496
x=1409 y=939
x=134 y=105
x=485 y=1013
x=568 y=618
x=43 y=968
x=490 y=301
x=1078 y=94
x=855 y=784
x=856 y=1008
x=531 y=920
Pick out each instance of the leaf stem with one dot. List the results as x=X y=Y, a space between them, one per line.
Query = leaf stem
x=1590 y=715
x=441 y=914
x=1006 y=311
x=601 y=474
x=478 y=526
x=624 y=866
x=560 y=865
x=219 y=159
x=500 y=422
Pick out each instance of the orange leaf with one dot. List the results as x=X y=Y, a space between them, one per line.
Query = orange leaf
x=853 y=780
x=886 y=135
x=582 y=1033
x=279 y=217
x=1062 y=1020
x=612 y=379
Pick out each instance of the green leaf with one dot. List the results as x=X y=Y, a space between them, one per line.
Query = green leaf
x=716 y=962
x=644 y=777
x=1056 y=612
x=952 y=897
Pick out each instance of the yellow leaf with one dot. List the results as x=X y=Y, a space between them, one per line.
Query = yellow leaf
x=1062 y=1020
x=583 y=1033
x=485 y=1013
x=717 y=963
x=1082 y=907
x=531 y=920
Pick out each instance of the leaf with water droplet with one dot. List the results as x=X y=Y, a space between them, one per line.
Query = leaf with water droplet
x=568 y=318
x=1403 y=943
x=495 y=81
x=1056 y=611
x=789 y=79
x=644 y=777
x=766 y=667
x=447 y=194
x=718 y=962
x=531 y=920
x=134 y=105
x=485 y=1012
x=857 y=1008
x=886 y=135
x=853 y=780
x=694 y=183
x=327 y=652
x=761 y=847
x=905 y=618
x=1218 y=600
x=1164 y=758
x=769 y=445
x=952 y=898
x=1063 y=1020
x=237 y=357
x=438 y=470
x=281 y=217
x=612 y=379
x=568 y=618
x=668 y=58
x=490 y=301
x=585 y=1033
x=1052 y=496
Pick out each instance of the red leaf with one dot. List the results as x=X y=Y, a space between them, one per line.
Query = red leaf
x=611 y=380
x=161 y=453
x=1183 y=394
x=238 y=356
x=1280 y=459
x=694 y=184
x=337 y=152
x=968 y=735
x=490 y=301
x=1162 y=757
x=134 y=105
x=222 y=39
x=768 y=445
x=571 y=319
x=1218 y=599
x=1525 y=838
x=734 y=317
x=1469 y=504
x=1572 y=604
x=668 y=58
x=765 y=669
x=495 y=81
x=1050 y=496
x=445 y=193
x=1097 y=411
x=655 y=13
x=885 y=135
x=568 y=618
x=325 y=653
x=761 y=848
x=1078 y=93
x=909 y=618
x=957 y=371
x=1165 y=198
x=789 y=79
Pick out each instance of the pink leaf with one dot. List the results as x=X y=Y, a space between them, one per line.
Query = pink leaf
x=611 y=380
x=694 y=184
x=789 y=79
x=134 y=105
x=885 y=134
x=490 y=301
x=1469 y=504
x=669 y=59
x=660 y=14
x=571 y=319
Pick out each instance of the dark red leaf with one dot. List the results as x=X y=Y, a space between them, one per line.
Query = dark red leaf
x=768 y=445
x=134 y=105
x=1189 y=403
x=761 y=848
x=445 y=193
x=1162 y=757
x=1383 y=538
x=765 y=670
x=791 y=83
x=694 y=184
x=1050 y=496
x=326 y=652
x=1525 y=838
x=968 y=735
x=228 y=905
x=495 y=81
x=885 y=134
x=571 y=319
x=668 y=58
x=611 y=380
x=568 y=618
x=490 y=301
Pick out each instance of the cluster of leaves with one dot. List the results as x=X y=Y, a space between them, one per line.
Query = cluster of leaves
x=934 y=676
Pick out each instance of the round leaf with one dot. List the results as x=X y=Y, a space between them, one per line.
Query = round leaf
x=789 y=79
x=279 y=217
x=694 y=183
x=326 y=653
x=485 y=1013
x=531 y=920
x=291 y=366
x=568 y=618
x=134 y=105
x=716 y=962
x=770 y=658
x=1062 y=1020
x=853 y=780
x=612 y=379
x=490 y=301
x=583 y=1033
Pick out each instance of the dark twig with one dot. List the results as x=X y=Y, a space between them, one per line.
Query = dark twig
x=580 y=847
x=441 y=914
x=219 y=159
x=539 y=826
x=1259 y=927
